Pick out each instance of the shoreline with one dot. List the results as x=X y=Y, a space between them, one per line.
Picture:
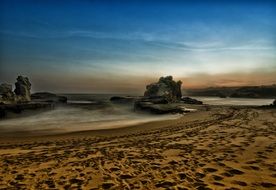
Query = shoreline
x=117 y=129
x=126 y=129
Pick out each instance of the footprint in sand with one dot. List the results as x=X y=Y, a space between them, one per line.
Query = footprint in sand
x=217 y=178
x=210 y=170
x=235 y=172
x=240 y=183
x=200 y=175
x=267 y=185
x=182 y=176
x=219 y=184
x=256 y=168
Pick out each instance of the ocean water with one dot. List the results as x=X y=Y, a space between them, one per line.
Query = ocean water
x=82 y=114
x=87 y=116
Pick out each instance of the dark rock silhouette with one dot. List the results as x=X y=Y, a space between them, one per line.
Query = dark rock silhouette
x=6 y=93
x=22 y=89
x=123 y=99
x=166 y=87
x=274 y=102
x=265 y=91
x=255 y=92
x=161 y=97
x=12 y=103
x=158 y=108
x=188 y=100
x=9 y=110
x=48 y=97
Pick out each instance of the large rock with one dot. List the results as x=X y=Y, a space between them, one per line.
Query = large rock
x=48 y=97
x=274 y=103
x=6 y=94
x=22 y=89
x=188 y=100
x=166 y=87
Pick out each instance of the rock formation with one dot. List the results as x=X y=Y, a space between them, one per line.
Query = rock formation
x=166 y=88
x=188 y=100
x=21 y=99
x=123 y=99
x=22 y=89
x=158 y=108
x=161 y=97
x=48 y=97
x=274 y=103
x=6 y=93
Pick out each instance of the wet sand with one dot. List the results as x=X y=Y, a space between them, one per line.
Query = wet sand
x=221 y=147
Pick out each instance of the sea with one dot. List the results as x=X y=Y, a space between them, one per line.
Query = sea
x=64 y=119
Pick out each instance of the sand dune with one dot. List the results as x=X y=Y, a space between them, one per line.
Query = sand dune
x=222 y=148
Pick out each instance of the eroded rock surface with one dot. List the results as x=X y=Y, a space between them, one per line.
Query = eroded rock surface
x=22 y=89
x=166 y=87
x=6 y=93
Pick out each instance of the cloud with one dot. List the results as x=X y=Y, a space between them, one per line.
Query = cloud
x=230 y=79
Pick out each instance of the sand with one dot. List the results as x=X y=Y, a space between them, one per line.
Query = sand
x=219 y=148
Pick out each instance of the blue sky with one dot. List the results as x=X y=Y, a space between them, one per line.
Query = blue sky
x=119 y=46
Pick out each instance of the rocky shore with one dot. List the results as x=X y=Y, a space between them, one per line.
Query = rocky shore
x=161 y=97
x=21 y=100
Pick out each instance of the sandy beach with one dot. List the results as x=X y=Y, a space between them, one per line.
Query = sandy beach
x=218 y=147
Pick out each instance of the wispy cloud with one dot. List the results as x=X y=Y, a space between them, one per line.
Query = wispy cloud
x=206 y=47
x=149 y=38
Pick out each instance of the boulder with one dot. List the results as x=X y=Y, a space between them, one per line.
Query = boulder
x=188 y=100
x=22 y=89
x=48 y=97
x=274 y=103
x=166 y=87
x=6 y=93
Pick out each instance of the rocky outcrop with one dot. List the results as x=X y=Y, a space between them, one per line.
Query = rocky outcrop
x=48 y=97
x=188 y=100
x=21 y=93
x=23 y=89
x=166 y=87
x=10 y=110
x=123 y=99
x=274 y=103
x=6 y=94
x=151 y=107
x=161 y=97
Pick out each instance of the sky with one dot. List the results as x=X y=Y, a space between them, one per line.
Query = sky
x=91 y=46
